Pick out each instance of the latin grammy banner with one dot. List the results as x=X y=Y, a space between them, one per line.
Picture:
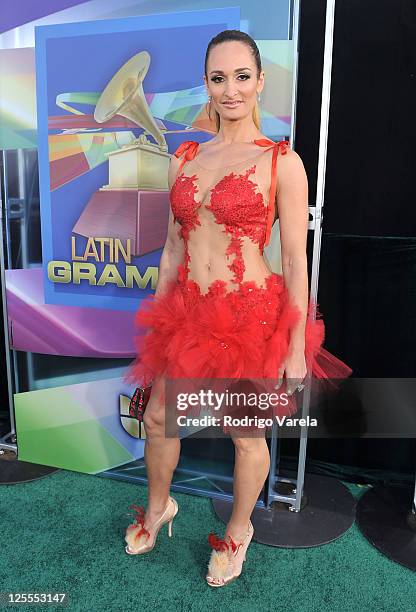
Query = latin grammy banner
x=108 y=112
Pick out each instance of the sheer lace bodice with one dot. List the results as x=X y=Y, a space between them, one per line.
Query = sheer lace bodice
x=227 y=316
x=225 y=213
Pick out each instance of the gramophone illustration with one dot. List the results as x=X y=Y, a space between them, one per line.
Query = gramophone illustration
x=135 y=203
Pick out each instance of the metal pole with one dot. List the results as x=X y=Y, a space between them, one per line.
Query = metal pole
x=3 y=441
x=315 y=225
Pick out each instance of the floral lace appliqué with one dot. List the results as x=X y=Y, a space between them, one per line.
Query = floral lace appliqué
x=184 y=205
x=235 y=204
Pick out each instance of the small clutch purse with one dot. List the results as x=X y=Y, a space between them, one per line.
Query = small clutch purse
x=138 y=402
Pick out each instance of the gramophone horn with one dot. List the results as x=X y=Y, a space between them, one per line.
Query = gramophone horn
x=124 y=95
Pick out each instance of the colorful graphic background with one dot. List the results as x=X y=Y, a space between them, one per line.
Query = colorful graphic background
x=72 y=415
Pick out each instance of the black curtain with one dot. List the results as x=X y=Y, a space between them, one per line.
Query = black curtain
x=367 y=288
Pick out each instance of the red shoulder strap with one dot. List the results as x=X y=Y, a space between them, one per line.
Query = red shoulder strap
x=282 y=145
x=190 y=147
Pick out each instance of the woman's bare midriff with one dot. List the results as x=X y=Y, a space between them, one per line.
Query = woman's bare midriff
x=207 y=246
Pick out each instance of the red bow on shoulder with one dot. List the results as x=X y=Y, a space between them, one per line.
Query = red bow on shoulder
x=265 y=142
x=190 y=146
x=283 y=146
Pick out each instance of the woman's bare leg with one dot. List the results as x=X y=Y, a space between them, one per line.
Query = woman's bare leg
x=161 y=454
x=252 y=464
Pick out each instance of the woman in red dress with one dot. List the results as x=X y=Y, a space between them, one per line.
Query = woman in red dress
x=219 y=312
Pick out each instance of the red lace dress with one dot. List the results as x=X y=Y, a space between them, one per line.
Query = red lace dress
x=238 y=325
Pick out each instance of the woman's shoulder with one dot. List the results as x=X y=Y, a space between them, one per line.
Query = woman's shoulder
x=283 y=148
x=186 y=146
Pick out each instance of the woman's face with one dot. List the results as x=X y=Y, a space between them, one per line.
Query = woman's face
x=232 y=77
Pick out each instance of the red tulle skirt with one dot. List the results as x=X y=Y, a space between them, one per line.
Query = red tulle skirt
x=241 y=334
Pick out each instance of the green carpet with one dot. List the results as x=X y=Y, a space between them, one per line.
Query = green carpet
x=65 y=533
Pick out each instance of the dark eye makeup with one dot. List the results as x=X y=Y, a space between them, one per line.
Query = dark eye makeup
x=247 y=76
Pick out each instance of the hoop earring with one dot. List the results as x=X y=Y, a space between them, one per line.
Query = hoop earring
x=258 y=96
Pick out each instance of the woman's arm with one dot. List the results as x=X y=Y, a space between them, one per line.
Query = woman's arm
x=292 y=203
x=173 y=251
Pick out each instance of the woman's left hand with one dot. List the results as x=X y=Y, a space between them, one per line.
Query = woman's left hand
x=294 y=369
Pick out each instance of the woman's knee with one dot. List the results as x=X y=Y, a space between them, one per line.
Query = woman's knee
x=154 y=422
x=154 y=416
x=249 y=445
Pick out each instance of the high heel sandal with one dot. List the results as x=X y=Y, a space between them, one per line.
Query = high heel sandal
x=139 y=539
x=227 y=558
